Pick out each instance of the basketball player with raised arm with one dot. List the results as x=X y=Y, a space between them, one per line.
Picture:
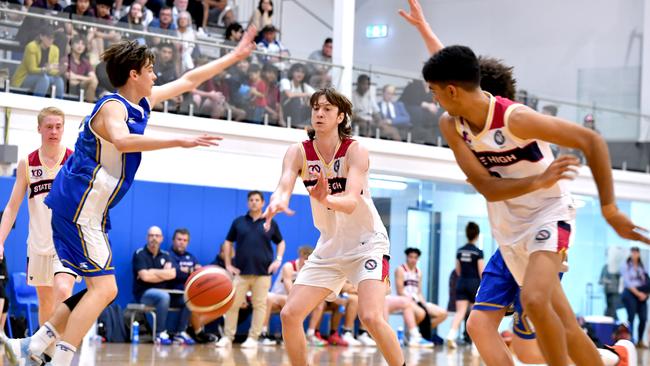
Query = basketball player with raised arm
x=353 y=243
x=34 y=175
x=503 y=148
x=96 y=177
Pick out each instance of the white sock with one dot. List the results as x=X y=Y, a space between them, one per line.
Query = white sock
x=453 y=334
x=64 y=354
x=310 y=332
x=609 y=358
x=43 y=338
x=265 y=329
x=415 y=332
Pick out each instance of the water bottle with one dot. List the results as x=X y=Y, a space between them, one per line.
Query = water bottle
x=135 y=332
x=400 y=335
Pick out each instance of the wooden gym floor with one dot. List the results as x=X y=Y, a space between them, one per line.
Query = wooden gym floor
x=110 y=354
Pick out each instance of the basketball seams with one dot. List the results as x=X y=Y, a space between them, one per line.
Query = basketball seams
x=210 y=308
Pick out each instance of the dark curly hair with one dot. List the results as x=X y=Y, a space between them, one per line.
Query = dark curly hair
x=497 y=78
x=453 y=65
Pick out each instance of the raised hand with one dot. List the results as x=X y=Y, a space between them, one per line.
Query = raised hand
x=202 y=140
x=415 y=16
x=276 y=206
x=321 y=189
x=247 y=43
x=564 y=167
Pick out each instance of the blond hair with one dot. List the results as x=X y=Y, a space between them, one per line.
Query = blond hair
x=50 y=111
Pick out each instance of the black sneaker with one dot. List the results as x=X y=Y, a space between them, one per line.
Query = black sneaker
x=201 y=337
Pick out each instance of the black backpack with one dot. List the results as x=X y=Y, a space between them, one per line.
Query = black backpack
x=110 y=324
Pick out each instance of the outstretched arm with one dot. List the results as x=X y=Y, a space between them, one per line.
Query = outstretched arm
x=416 y=18
x=193 y=78
x=13 y=205
x=291 y=166
x=526 y=123
x=499 y=189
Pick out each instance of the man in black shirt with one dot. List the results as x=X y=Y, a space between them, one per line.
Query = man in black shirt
x=152 y=268
x=252 y=266
x=469 y=267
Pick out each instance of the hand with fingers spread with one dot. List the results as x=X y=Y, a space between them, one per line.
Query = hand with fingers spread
x=276 y=206
x=623 y=226
x=247 y=43
x=564 y=167
x=202 y=140
x=415 y=16
x=321 y=190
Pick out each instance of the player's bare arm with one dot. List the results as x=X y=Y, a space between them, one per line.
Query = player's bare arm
x=399 y=281
x=109 y=125
x=499 y=189
x=357 y=169
x=287 y=276
x=13 y=205
x=193 y=78
x=291 y=166
x=415 y=17
x=528 y=124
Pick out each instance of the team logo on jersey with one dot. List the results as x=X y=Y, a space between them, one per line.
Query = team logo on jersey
x=313 y=168
x=37 y=173
x=370 y=264
x=499 y=138
x=337 y=165
x=466 y=138
x=543 y=235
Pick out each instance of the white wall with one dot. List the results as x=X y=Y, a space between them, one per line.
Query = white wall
x=250 y=156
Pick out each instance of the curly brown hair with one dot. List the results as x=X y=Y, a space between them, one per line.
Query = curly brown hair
x=497 y=78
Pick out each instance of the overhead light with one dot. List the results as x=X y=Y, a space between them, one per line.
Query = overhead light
x=387 y=184
x=377 y=31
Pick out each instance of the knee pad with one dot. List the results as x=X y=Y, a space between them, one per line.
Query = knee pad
x=72 y=301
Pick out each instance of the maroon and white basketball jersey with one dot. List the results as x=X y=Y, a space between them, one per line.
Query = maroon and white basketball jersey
x=341 y=234
x=507 y=156
x=411 y=282
x=39 y=239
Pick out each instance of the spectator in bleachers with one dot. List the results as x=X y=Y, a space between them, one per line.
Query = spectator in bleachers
x=188 y=36
x=47 y=4
x=147 y=14
x=212 y=98
x=320 y=77
x=262 y=16
x=39 y=69
x=217 y=14
x=165 y=20
x=271 y=75
x=185 y=263
x=153 y=5
x=78 y=72
x=99 y=38
x=366 y=110
x=166 y=70
x=80 y=8
x=238 y=83
x=152 y=269
x=234 y=32
x=295 y=94
x=393 y=114
x=179 y=7
x=418 y=100
x=253 y=266
x=590 y=123
x=258 y=93
x=134 y=20
x=270 y=45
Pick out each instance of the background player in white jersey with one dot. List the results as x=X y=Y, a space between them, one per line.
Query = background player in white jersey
x=408 y=282
x=453 y=76
x=34 y=175
x=353 y=243
x=95 y=178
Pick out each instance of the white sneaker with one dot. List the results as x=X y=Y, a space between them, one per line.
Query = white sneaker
x=352 y=342
x=266 y=341
x=249 y=343
x=419 y=342
x=224 y=342
x=366 y=340
x=451 y=344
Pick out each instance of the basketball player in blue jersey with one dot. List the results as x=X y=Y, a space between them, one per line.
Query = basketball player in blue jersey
x=94 y=179
x=529 y=206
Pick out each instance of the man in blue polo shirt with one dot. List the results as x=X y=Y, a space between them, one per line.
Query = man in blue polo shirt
x=152 y=269
x=252 y=267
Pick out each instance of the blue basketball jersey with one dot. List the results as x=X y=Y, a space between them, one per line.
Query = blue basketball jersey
x=96 y=177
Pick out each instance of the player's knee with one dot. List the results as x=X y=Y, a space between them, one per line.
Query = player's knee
x=474 y=325
x=108 y=292
x=533 y=301
x=289 y=315
x=371 y=318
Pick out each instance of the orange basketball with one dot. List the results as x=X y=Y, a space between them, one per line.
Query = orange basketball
x=209 y=291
